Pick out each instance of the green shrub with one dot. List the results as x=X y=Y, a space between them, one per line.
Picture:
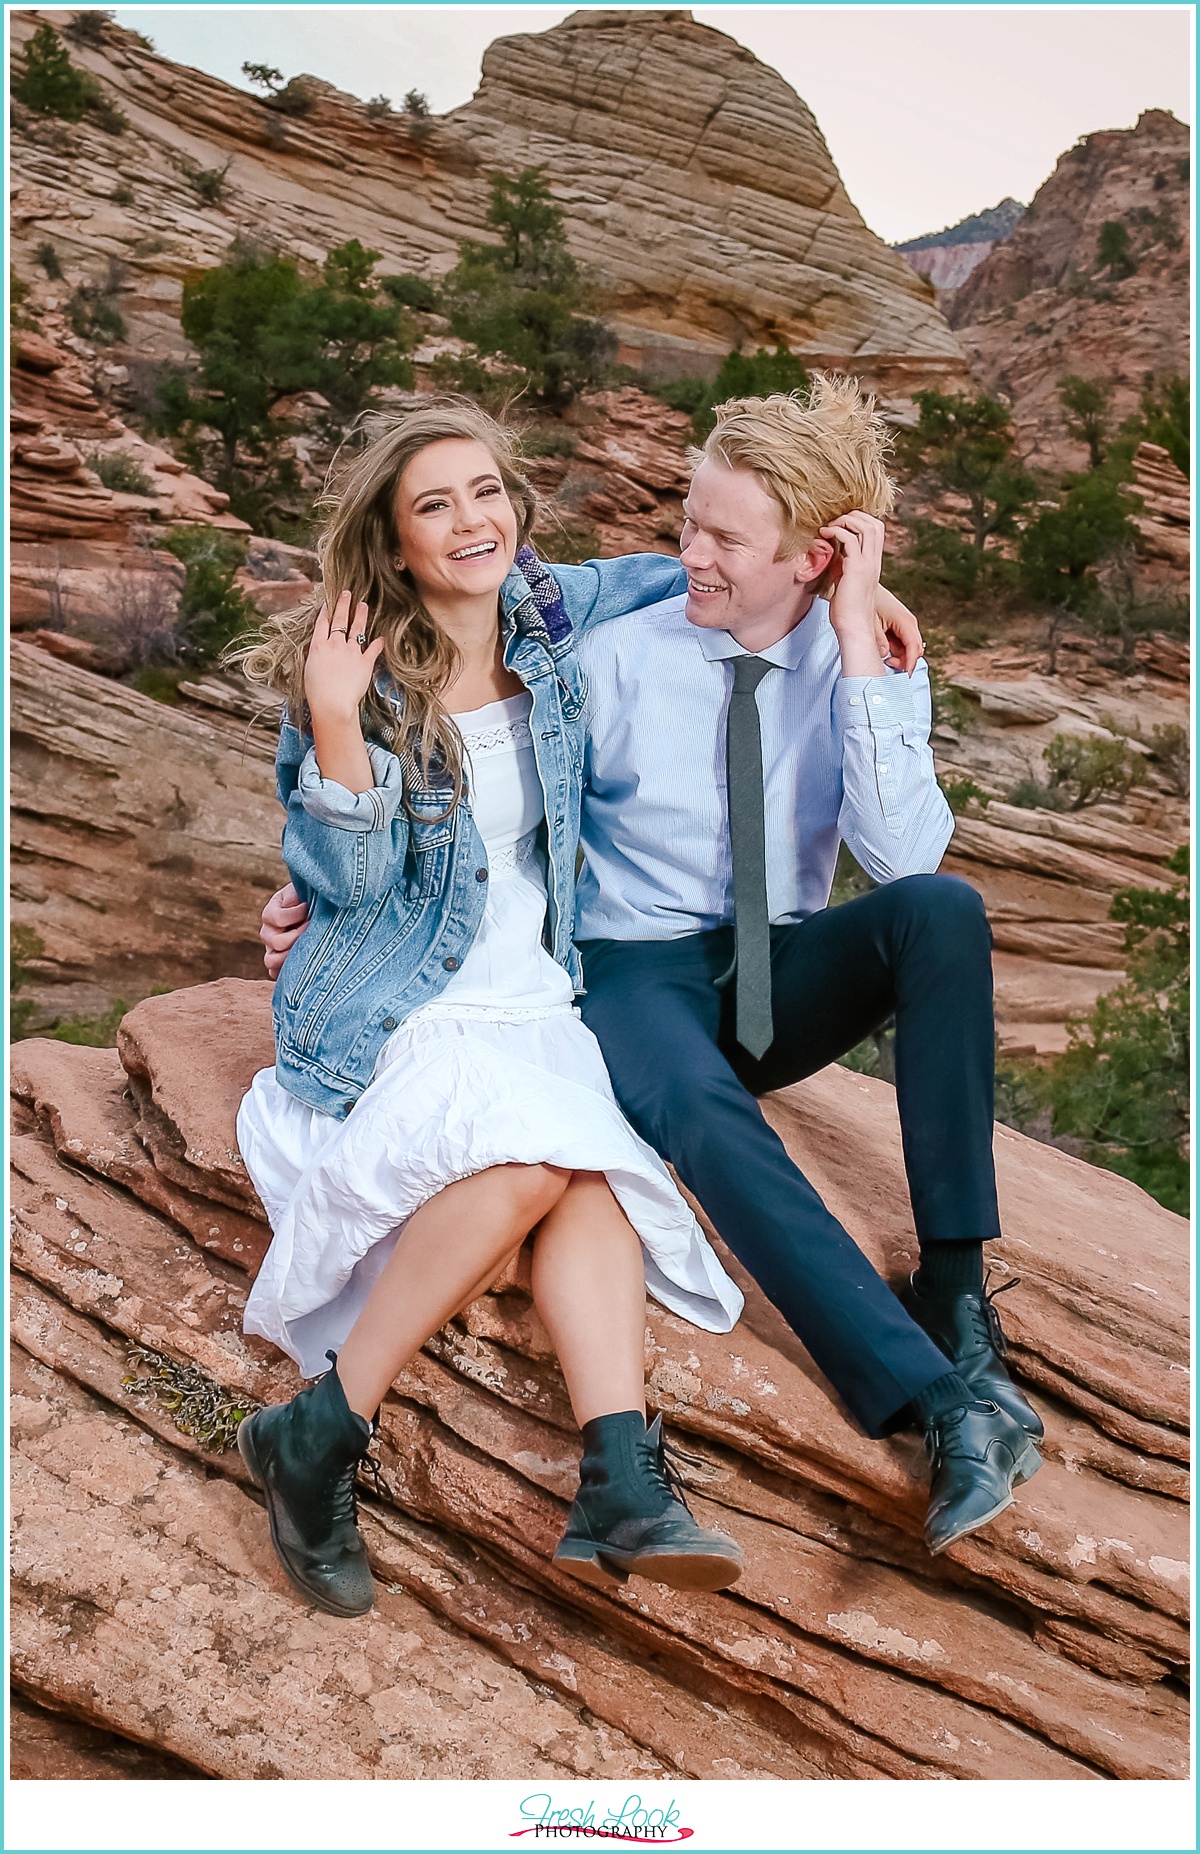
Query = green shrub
x=160 y=682
x=522 y=300
x=94 y=315
x=958 y=794
x=1086 y=768
x=262 y=330
x=971 y=634
x=47 y=257
x=416 y=103
x=88 y=28
x=48 y=82
x=117 y=470
x=966 y=444
x=1061 y=547
x=1087 y=405
x=410 y=291
x=1115 y=250
x=1030 y=795
x=265 y=76
x=1123 y=1084
x=214 y=612
x=1167 y=420
x=741 y=376
x=549 y=441
x=295 y=99
x=379 y=108
x=209 y=182
x=947 y=558
x=1171 y=746
x=122 y=194
x=91 y=1032
x=24 y=945
x=688 y=393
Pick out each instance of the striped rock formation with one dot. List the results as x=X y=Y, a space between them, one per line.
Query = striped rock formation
x=696 y=185
x=147 y=1604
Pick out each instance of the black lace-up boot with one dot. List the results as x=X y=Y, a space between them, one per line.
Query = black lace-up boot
x=304 y=1455
x=967 y=1329
x=628 y=1515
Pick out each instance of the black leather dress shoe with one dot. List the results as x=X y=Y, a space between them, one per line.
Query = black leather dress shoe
x=967 y=1329
x=978 y=1454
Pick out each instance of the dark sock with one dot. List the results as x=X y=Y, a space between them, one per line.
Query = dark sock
x=949 y=1392
x=950 y=1268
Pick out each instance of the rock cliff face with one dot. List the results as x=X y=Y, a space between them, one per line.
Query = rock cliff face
x=1048 y=879
x=1051 y=1645
x=947 y=258
x=83 y=563
x=1044 y=304
x=144 y=838
x=696 y=185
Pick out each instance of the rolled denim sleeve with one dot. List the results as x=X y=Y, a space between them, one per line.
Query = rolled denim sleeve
x=346 y=846
x=334 y=804
x=603 y=589
x=894 y=816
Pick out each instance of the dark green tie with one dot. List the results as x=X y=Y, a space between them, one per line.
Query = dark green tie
x=747 y=841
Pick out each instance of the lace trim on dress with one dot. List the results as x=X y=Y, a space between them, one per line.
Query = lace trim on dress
x=510 y=858
x=492 y=1013
x=504 y=735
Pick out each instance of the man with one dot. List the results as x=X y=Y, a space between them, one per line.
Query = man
x=735 y=734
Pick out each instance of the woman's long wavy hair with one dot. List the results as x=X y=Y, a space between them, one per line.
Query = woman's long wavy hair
x=357 y=550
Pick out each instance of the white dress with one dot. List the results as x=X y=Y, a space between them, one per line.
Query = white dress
x=499 y=1069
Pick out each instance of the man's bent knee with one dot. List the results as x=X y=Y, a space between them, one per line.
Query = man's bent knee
x=940 y=901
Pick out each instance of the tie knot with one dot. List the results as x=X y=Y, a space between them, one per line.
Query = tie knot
x=748 y=672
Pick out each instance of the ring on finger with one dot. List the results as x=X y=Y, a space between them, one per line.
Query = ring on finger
x=361 y=639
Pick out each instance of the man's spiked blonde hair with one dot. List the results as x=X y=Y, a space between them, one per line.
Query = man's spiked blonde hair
x=820 y=453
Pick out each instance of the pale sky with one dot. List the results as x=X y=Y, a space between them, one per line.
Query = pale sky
x=930 y=112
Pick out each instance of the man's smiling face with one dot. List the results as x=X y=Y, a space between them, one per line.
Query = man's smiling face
x=730 y=545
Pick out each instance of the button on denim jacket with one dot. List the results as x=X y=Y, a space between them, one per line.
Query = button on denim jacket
x=395 y=889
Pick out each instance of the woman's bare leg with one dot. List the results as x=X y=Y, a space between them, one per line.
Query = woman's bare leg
x=589 y=1285
x=459 y=1238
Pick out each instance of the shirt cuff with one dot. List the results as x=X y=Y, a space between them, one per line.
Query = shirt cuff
x=331 y=803
x=873 y=702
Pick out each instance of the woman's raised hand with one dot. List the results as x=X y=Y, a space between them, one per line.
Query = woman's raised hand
x=340 y=662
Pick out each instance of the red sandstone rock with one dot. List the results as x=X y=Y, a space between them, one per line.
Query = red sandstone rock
x=845 y=1651
x=1041 y=305
x=144 y=838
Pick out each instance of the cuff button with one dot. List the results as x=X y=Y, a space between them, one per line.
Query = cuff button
x=389 y=1023
x=451 y=964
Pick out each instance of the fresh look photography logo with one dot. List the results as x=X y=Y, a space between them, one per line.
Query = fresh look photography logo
x=630 y=1820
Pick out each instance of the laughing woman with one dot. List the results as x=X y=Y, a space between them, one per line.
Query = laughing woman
x=436 y=1099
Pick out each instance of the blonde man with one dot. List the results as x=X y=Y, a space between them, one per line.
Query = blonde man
x=736 y=732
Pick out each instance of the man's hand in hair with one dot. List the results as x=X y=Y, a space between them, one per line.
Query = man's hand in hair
x=283 y=921
x=897 y=632
x=858 y=543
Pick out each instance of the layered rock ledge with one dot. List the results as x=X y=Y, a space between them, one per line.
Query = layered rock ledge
x=696 y=186
x=148 y=1604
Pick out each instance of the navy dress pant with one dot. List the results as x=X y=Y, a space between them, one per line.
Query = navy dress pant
x=918 y=949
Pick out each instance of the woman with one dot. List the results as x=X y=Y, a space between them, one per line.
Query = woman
x=432 y=806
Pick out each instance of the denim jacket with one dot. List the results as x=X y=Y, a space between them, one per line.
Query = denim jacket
x=395 y=889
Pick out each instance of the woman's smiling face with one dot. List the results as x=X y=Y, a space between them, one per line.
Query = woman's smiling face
x=456 y=527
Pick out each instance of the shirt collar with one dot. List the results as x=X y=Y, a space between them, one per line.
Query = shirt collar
x=788 y=653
